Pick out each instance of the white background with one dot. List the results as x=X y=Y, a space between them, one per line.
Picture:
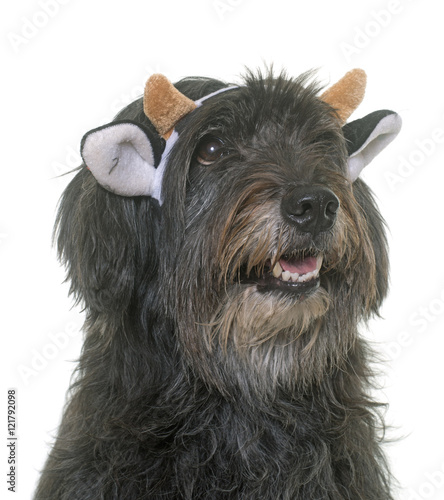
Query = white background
x=68 y=66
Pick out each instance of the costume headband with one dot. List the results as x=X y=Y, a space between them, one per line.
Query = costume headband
x=130 y=160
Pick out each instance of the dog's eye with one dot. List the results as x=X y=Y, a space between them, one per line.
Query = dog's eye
x=210 y=149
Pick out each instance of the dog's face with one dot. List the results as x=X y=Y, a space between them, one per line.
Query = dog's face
x=273 y=239
x=262 y=235
x=265 y=206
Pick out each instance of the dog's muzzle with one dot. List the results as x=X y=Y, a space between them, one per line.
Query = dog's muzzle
x=311 y=211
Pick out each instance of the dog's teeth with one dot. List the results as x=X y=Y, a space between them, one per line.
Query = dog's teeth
x=277 y=270
x=306 y=277
x=294 y=277
x=279 y=273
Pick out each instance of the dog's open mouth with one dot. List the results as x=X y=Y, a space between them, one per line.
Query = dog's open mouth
x=292 y=274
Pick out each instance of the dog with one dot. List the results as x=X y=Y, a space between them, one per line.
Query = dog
x=225 y=251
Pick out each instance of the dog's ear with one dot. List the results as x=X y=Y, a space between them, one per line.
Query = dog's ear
x=108 y=243
x=123 y=157
x=367 y=137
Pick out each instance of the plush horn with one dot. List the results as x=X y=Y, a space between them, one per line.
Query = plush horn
x=346 y=94
x=164 y=105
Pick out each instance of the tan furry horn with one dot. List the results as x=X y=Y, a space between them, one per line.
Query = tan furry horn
x=346 y=94
x=164 y=105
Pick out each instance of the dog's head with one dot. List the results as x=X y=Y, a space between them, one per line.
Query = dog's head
x=238 y=211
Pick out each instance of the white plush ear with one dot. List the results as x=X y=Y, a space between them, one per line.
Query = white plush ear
x=121 y=158
x=368 y=137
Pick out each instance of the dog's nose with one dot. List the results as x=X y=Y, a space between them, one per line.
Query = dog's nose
x=310 y=209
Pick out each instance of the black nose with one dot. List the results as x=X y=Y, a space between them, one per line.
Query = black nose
x=311 y=209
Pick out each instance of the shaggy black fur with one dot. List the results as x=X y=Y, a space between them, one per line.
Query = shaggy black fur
x=200 y=379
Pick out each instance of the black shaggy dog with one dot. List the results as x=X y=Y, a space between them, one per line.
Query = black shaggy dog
x=225 y=251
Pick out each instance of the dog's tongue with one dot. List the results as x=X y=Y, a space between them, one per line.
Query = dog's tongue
x=300 y=266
